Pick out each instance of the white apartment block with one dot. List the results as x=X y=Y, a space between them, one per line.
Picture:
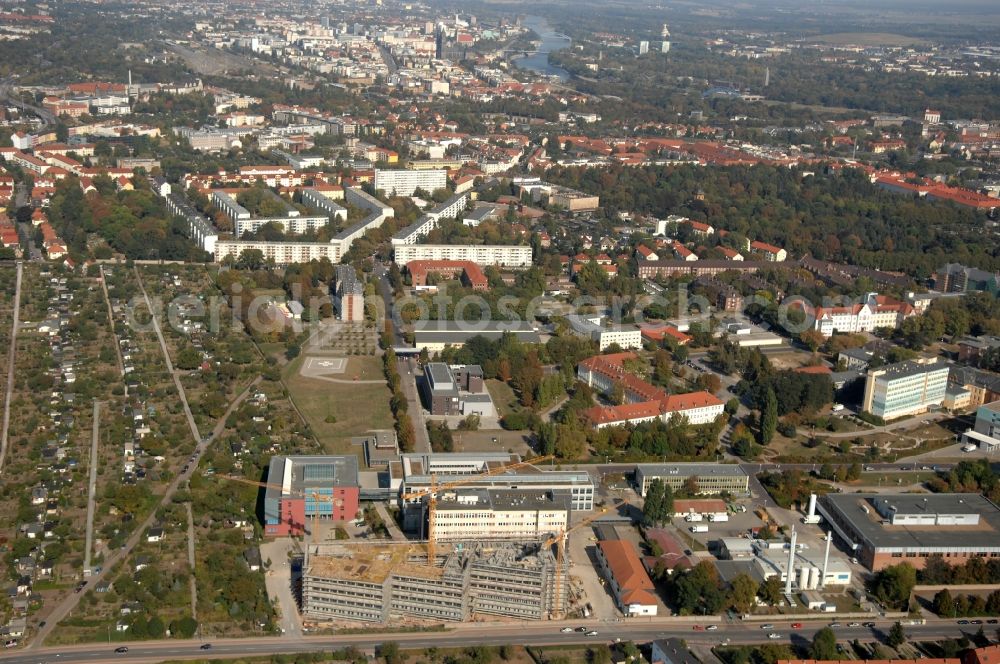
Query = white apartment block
x=481 y=254
x=282 y=253
x=296 y=225
x=227 y=203
x=416 y=231
x=320 y=201
x=199 y=228
x=404 y=183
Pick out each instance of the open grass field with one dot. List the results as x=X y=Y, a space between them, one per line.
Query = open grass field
x=336 y=411
x=503 y=397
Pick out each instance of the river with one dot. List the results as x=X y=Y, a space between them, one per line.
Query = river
x=551 y=41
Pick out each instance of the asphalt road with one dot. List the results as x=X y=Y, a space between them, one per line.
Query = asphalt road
x=540 y=634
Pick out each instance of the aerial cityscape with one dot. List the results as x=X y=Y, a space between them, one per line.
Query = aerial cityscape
x=481 y=331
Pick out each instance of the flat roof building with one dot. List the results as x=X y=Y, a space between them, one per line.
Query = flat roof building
x=412 y=473
x=365 y=583
x=905 y=388
x=471 y=515
x=711 y=477
x=322 y=486
x=436 y=335
x=886 y=529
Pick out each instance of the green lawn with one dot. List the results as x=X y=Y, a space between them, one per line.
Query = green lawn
x=503 y=396
x=356 y=407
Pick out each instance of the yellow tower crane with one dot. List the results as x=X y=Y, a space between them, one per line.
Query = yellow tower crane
x=559 y=539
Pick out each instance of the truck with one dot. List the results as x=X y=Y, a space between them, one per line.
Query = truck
x=837 y=407
x=718 y=517
x=693 y=517
x=699 y=529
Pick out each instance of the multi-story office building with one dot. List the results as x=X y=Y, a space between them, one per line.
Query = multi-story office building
x=404 y=183
x=986 y=430
x=311 y=486
x=412 y=475
x=710 y=477
x=476 y=515
x=905 y=388
x=594 y=327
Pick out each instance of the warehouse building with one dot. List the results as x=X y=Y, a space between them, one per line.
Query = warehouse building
x=364 y=583
x=887 y=529
x=712 y=478
x=435 y=336
x=322 y=486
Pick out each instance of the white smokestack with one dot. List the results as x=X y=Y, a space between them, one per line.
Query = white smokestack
x=791 y=564
x=812 y=505
x=826 y=560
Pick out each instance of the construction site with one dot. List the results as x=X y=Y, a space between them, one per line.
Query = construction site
x=487 y=549
x=378 y=583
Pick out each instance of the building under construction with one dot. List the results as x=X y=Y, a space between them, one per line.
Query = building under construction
x=371 y=583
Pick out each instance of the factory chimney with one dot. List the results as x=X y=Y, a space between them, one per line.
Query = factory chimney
x=826 y=559
x=791 y=563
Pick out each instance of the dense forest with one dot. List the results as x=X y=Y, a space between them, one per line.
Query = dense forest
x=133 y=223
x=838 y=217
x=661 y=81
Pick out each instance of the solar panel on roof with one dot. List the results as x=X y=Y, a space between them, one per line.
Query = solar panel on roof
x=315 y=472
